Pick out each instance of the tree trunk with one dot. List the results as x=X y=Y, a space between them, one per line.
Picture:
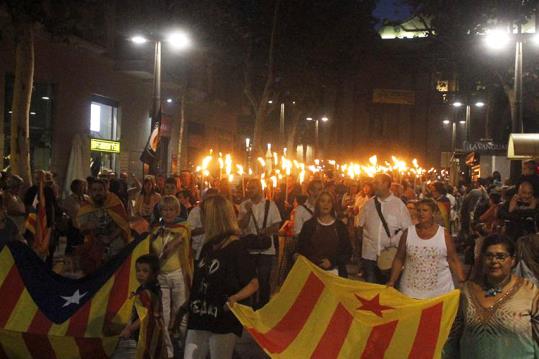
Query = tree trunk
x=181 y=131
x=22 y=96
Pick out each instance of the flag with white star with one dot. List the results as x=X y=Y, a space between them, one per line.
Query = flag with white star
x=320 y=315
x=44 y=315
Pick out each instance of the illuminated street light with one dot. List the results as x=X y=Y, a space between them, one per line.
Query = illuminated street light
x=139 y=39
x=309 y=118
x=270 y=102
x=46 y=98
x=497 y=39
x=457 y=104
x=446 y=122
x=462 y=122
x=179 y=40
x=325 y=119
x=479 y=104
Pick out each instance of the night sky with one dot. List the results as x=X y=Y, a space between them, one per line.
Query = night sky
x=392 y=10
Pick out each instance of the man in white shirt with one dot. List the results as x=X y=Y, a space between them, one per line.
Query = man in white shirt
x=305 y=211
x=375 y=237
x=255 y=207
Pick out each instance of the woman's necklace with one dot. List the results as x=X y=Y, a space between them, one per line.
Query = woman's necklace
x=494 y=290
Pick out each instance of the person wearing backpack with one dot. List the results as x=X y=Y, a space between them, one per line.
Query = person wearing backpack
x=259 y=219
x=305 y=211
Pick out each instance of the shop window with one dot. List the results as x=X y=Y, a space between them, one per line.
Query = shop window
x=104 y=125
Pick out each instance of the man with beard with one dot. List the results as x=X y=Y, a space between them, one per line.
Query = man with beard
x=103 y=222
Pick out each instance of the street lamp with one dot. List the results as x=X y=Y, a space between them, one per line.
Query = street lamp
x=458 y=104
x=178 y=41
x=498 y=39
x=453 y=132
x=317 y=132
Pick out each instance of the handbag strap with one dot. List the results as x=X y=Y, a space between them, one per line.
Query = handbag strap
x=266 y=212
x=307 y=209
x=378 y=206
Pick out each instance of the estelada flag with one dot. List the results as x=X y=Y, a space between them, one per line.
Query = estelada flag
x=36 y=222
x=149 y=155
x=320 y=315
x=46 y=316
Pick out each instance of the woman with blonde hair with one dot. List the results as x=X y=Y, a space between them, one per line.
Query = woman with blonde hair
x=225 y=274
x=170 y=242
x=147 y=199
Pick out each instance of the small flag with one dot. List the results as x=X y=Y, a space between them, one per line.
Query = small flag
x=149 y=155
x=36 y=222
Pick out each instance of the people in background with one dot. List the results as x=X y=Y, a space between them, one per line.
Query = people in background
x=384 y=207
x=147 y=199
x=260 y=216
x=104 y=224
x=305 y=211
x=324 y=239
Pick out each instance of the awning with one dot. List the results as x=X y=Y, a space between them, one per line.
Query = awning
x=523 y=146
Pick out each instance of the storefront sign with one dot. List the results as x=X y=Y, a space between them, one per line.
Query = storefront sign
x=485 y=147
x=99 y=145
x=396 y=97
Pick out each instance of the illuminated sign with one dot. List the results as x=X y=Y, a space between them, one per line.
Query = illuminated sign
x=104 y=146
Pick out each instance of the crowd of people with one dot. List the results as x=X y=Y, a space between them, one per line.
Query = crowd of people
x=213 y=246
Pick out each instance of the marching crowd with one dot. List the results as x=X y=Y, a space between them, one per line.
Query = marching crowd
x=212 y=247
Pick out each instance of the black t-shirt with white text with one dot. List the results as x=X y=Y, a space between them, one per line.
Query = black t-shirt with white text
x=218 y=275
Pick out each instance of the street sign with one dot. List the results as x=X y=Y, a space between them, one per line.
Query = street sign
x=108 y=146
x=396 y=97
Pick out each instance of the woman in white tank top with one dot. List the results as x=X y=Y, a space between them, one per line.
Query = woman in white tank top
x=426 y=256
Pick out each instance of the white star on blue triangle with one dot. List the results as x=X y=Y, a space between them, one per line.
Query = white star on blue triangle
x=74 y=299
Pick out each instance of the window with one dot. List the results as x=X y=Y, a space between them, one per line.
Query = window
x=104 y=125
x=103 y=118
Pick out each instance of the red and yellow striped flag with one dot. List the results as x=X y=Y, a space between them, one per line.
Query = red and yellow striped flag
x=319 y=315
x=45 y=316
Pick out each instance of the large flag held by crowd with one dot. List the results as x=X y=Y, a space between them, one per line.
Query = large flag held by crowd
x=44 y=315
x=319 y=315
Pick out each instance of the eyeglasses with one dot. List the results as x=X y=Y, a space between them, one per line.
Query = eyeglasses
x=499 y=257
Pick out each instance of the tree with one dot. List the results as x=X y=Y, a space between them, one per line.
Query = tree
x=455 y=25
x=59 y=18
x=23 y=15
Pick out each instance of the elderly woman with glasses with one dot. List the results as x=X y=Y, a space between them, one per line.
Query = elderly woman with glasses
x=499 y=312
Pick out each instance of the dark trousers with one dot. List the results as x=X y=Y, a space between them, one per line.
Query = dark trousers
x=264 y=265
x=371 y=272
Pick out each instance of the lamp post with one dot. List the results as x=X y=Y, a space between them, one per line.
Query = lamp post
x=176 y=40
x=453 y=132
x=498 y=39
x=467 y=121
x=317 y=133
x=282 y=137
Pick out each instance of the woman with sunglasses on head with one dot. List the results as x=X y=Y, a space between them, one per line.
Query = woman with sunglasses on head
x=499 y=312
x=426 y=257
